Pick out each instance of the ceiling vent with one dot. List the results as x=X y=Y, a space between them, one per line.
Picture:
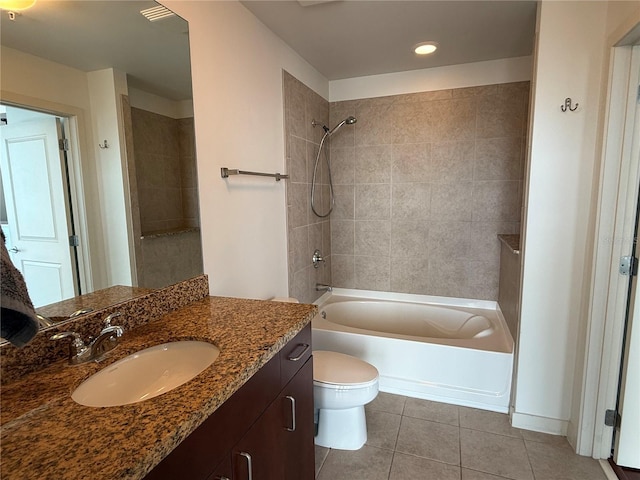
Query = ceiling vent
x=154 y=14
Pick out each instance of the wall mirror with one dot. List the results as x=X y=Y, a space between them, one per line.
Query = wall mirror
x=137 y=127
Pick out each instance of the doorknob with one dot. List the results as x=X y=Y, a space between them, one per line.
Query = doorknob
x=14 y=249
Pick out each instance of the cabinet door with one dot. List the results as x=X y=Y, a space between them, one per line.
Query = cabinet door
x=298 y=448
x=258 y=455
x=223 y=471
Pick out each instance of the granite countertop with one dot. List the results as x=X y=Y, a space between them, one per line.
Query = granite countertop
x=94 y=301
x=45 y=434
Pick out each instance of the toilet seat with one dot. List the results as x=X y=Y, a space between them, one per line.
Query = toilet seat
x=338 y=370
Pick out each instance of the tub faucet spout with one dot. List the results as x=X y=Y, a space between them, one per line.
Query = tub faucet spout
x=321 y=287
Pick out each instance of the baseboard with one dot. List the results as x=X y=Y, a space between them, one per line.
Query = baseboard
x=552 y=426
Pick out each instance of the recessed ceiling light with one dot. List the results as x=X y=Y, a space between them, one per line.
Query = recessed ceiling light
x=425 y=48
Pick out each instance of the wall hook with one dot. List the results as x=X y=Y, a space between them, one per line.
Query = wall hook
x=567 y=105
x=103 y=145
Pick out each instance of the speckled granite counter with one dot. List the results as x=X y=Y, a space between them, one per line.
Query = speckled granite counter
x=95 y=301
x=45 y=434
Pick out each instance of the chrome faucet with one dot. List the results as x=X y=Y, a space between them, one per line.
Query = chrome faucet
x=321 y=287
x=79 y=352
x=317 y=258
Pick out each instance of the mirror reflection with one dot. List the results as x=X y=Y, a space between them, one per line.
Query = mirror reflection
x=98 y=162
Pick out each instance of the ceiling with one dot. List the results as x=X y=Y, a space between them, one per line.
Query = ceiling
x=93 y=35
x=341 y=39
x=353 y=38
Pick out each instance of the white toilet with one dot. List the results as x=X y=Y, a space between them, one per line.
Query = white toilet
x=342 y=386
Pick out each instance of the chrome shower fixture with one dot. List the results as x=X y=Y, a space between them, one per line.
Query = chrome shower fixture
x=350 y=120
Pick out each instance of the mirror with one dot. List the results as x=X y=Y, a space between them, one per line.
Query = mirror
x=144 y=46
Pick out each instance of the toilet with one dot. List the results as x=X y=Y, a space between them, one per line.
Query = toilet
x=342 y=386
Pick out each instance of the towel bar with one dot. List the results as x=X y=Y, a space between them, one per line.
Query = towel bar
x=226 y=172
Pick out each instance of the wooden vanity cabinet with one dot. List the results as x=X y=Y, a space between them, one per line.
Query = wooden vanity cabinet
x=263 y=432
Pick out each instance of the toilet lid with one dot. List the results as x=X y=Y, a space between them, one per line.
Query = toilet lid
x=340 y=369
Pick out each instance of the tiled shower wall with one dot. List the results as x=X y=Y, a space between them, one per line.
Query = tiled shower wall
x=165 y=170
x=306 y=232
x=424 y=184
x=170 y=249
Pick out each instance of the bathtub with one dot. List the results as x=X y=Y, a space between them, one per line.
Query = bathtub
x=448 y=350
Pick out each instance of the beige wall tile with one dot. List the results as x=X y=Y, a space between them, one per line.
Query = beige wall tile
x=411 y=201
x=411 y=163
x=452 y=202
x=372 y=238
x=373 y=164
x=372 y=273
x=452 y=162
x=440 y=175
x=372 y=202
x=498 y=159
x=343 y=165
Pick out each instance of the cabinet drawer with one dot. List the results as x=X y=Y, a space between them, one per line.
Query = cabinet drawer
x=294 y=355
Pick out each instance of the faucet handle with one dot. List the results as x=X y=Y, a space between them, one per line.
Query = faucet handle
x=76 y=347
x=107 y=321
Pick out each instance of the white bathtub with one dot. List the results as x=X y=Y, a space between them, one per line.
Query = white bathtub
x=448 y=350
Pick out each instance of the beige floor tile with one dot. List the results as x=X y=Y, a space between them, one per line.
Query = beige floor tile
x=495 y=454
x=382 y=429
x=368 y=463
x=486 y=421
x=321 y=456
x=432 y=411
x=387 y=402
x=475 y=475
x=409 y=467
x=435 y=441
x=553 y=462
x=556 y=440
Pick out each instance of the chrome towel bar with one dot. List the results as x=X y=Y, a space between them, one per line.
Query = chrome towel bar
x=226 y=172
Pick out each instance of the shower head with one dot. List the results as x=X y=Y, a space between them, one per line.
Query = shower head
x=349 y=121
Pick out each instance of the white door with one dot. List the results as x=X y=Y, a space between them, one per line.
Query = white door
x=626 y=451
x=34 y=187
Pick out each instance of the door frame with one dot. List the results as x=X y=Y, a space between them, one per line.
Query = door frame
x=618 y=193
x=74 y=122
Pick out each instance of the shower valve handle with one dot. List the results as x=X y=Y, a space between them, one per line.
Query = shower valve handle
x=317 y=258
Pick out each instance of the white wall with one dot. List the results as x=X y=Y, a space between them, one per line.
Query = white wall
x=239 y=118
x=105 y=88
x=563 y=157
x=160 y=105
x=439 y=78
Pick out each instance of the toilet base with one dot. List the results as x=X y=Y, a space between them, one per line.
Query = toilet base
x=344 y=429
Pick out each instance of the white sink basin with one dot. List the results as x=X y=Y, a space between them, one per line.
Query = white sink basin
x=146 y=374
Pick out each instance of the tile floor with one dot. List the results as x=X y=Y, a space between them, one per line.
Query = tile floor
x=416 y=439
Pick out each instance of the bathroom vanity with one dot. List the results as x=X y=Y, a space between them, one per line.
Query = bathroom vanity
x=252 y=408
x=264 y=431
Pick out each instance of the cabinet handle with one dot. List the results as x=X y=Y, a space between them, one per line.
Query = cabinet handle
x=304 y=347
x=249 y=465
x=293 y=413
x=222 y=478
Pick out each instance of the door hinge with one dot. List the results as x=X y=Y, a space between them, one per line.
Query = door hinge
x=612 y=418
x=74 y=241
x=628 y=266
x=63 y=144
